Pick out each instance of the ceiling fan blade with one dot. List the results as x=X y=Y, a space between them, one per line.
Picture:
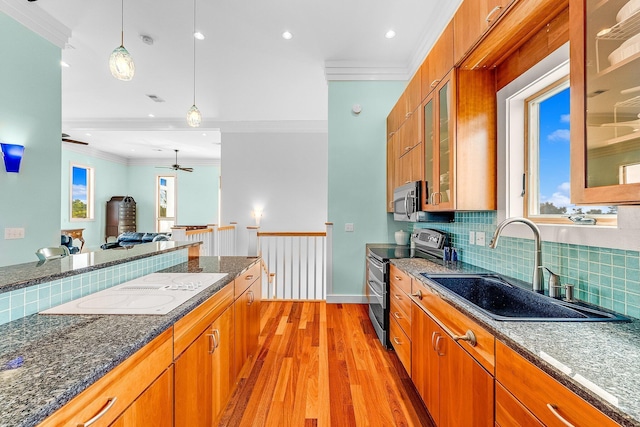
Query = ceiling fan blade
x=186 y=169
x=66 y=138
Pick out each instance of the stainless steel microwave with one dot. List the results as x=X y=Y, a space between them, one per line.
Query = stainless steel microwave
x=406 y=201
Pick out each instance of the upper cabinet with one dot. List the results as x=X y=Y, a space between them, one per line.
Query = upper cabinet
x=471 y=20
x=605 y=101
x=438 y=62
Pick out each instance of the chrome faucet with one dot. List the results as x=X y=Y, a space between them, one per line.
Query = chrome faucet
x=537 y=281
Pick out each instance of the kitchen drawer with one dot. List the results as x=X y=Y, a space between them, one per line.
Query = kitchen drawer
x=246 y=279
x=510 y=412
x=400 y=279
x=187 y=329
x=401 y=344
x=458 y=324
x=401 y=309
x=118 y=388
x=542 y=394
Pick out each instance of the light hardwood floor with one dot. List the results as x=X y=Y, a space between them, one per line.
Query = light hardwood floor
x=321 y=365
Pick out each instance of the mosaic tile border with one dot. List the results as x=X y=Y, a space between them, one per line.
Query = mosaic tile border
x=23 y=302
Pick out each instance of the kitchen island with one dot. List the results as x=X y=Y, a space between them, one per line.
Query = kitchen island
x=45 y=361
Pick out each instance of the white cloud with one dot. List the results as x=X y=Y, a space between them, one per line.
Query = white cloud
x=565 y=187
x=564 y=118
x=559 y=135
x=561 y=197
x=79 y=192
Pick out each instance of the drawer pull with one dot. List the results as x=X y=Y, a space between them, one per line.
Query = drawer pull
x=555 y=412
x=396 y=296
x=470 y=337
x=249 y=277
x=417 y=294
x=494 y=10
x=434 y=83
x=397 y=315
x=397 y=277
x=110 y=402
x=397 y=341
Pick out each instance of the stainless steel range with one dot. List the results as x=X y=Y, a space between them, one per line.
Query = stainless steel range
x=428 y=244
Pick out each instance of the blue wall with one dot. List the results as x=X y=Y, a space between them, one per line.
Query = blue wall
x=30 y=115
x=357 y=177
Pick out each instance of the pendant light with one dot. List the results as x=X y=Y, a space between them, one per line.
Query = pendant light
x=120 y=61
x=194 y=118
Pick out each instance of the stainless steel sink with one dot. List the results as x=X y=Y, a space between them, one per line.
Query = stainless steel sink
x=502 y=300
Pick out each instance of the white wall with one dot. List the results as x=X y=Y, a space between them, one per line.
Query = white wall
x=283 y=173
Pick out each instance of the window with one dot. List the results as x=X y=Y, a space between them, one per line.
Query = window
x=547 y=189
x=82 y=184
x=165 y=203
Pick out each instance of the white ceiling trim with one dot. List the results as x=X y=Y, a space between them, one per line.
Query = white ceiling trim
x=37 y=20
x=349 y=70
x=157 y=124
x=102 y=155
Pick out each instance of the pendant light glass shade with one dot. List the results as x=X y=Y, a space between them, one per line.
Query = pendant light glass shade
x=194 y=118
x=120 y=61
x=121 y=64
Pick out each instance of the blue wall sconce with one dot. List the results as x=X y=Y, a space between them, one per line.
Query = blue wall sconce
x=12 y=154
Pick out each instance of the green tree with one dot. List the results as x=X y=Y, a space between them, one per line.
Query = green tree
x=78 y=209
x=549 y=208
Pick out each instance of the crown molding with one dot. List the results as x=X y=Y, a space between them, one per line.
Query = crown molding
x=37 y=20
x=158 y=124
x=103 y=155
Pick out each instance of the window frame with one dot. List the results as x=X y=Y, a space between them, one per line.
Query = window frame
x=90 y=171
x=157 y=200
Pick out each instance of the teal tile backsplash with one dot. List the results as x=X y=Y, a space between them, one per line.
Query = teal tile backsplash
x=23 y=302
x=609 y=278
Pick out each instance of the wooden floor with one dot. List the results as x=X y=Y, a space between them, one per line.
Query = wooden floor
x=322 y=365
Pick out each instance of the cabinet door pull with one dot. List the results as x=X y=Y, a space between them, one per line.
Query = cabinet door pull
x=470 y=337
x=435 y=83
x=438 y=346
x=554 y=411
x=110 y=402
x=397 y=341
x=397 y=315
x=494 y=10
x=407 y=148
x=398 y=278
x=433 y=340
x=396 y=296
x=249 y=277
x=251 y=298
x=417 y=294
x=216 y=336
x=212 y=342
x=407 y=115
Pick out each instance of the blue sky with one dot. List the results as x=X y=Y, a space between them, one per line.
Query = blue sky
x=79 y=184
x=554 y=149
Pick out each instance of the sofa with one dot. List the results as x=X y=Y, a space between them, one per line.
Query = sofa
x=131 y=238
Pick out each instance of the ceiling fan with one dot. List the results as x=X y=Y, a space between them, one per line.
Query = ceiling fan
x=176 y=166
x=67 y=138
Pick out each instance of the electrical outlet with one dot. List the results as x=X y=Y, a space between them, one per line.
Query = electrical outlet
x=348 y=227
x=472 y=237
x=480 y=238
x=13 y=233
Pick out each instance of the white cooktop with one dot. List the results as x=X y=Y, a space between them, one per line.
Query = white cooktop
x=156 y=293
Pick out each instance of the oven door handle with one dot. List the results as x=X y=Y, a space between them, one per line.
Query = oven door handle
x=376 y=263
x=372 y=289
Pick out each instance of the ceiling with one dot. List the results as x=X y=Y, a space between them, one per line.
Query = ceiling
x=248 y=78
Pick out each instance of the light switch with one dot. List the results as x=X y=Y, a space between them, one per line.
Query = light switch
x=13 y=233
x=348 y=227
x=472 y=237
x=480 y=238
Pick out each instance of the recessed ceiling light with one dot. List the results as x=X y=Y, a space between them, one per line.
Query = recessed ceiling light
x=390 y=34
x=198 y=35
x=204 y=134
x=146 y=39
x=87 y=134
x=64 y=64
x=151 y=115
x=287 y=35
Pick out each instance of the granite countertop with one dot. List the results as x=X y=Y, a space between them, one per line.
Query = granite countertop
x=601 y=358
x=18 y=276
x=64 y=354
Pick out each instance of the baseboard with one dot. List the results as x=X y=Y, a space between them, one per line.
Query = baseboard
x=346 y=299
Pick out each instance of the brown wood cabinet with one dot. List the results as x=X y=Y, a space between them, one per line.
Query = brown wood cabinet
x=605 y=151
x=548 y=400
x=510 y=412
x=460 y=143
x=117 y=390
x=247 y=328
x=472 y=19
x=438 y=62
x=392 y=162
x=154 y=407
x=400 y=314
x=121 y=215
x=202 y=374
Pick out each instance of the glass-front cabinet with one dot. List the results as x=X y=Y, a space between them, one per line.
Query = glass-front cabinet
x=605 y=95
x=439 y=136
